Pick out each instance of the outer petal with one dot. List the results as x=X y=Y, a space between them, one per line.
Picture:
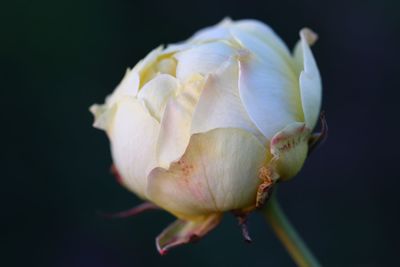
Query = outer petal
x=218 y=172
x=268 y=86
x=156 y=93
x=176 y=122
x=202 y=59
x=310 y=80
x=220 y=105
x=133 y=136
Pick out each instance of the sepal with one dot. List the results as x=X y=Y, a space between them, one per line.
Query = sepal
x=182 y=232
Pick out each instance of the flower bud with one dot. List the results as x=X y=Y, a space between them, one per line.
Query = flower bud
x=210 y=124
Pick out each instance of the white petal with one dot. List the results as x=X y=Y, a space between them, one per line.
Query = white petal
x=264 y=33
x=129 y=86
x=218 y=172
x=216 y=32
x=220 y=105
x=268 y=86
x=156 y=93
x=202 y=59
x=176 y=122
x=133 y=136
x=310 y=80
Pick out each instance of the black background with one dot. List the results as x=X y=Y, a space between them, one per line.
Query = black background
x=59 y=57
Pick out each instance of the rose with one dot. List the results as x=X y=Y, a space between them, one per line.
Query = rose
x=209 y=125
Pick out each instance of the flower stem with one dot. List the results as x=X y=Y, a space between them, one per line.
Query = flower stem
x=284 y=230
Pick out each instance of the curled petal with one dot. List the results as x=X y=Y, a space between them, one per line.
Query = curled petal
x=310 y=80
x=289 y=149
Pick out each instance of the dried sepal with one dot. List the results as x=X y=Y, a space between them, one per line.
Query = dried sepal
x=317 y=139
x=146 y=206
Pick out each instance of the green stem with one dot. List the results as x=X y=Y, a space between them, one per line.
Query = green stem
x=284 y=230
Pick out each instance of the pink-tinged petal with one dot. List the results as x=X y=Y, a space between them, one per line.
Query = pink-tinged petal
x=202 y=59
x=289 y=148
x=176 y=123
x=268 y=86
x=133 y=134
x=310 y=80
x=218 y=172
x=182 y=232
x=220 y=105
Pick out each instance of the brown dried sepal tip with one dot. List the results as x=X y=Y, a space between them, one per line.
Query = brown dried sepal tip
x=265 y=188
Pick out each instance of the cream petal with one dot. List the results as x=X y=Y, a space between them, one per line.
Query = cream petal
x=202 y=59
x=149 y=59
x=146 y=68
x=218 y=172
x=176 y=122
x=310 y=80
x=268 y=86
x=133 y=134
x=220 y=105
x=156 y=93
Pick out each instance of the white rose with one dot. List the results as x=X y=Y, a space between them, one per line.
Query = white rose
x=208 y=125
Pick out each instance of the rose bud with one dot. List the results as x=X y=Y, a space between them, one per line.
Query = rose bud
x=209 y=125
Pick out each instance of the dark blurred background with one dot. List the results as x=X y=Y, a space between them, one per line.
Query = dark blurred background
x=59 y=57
